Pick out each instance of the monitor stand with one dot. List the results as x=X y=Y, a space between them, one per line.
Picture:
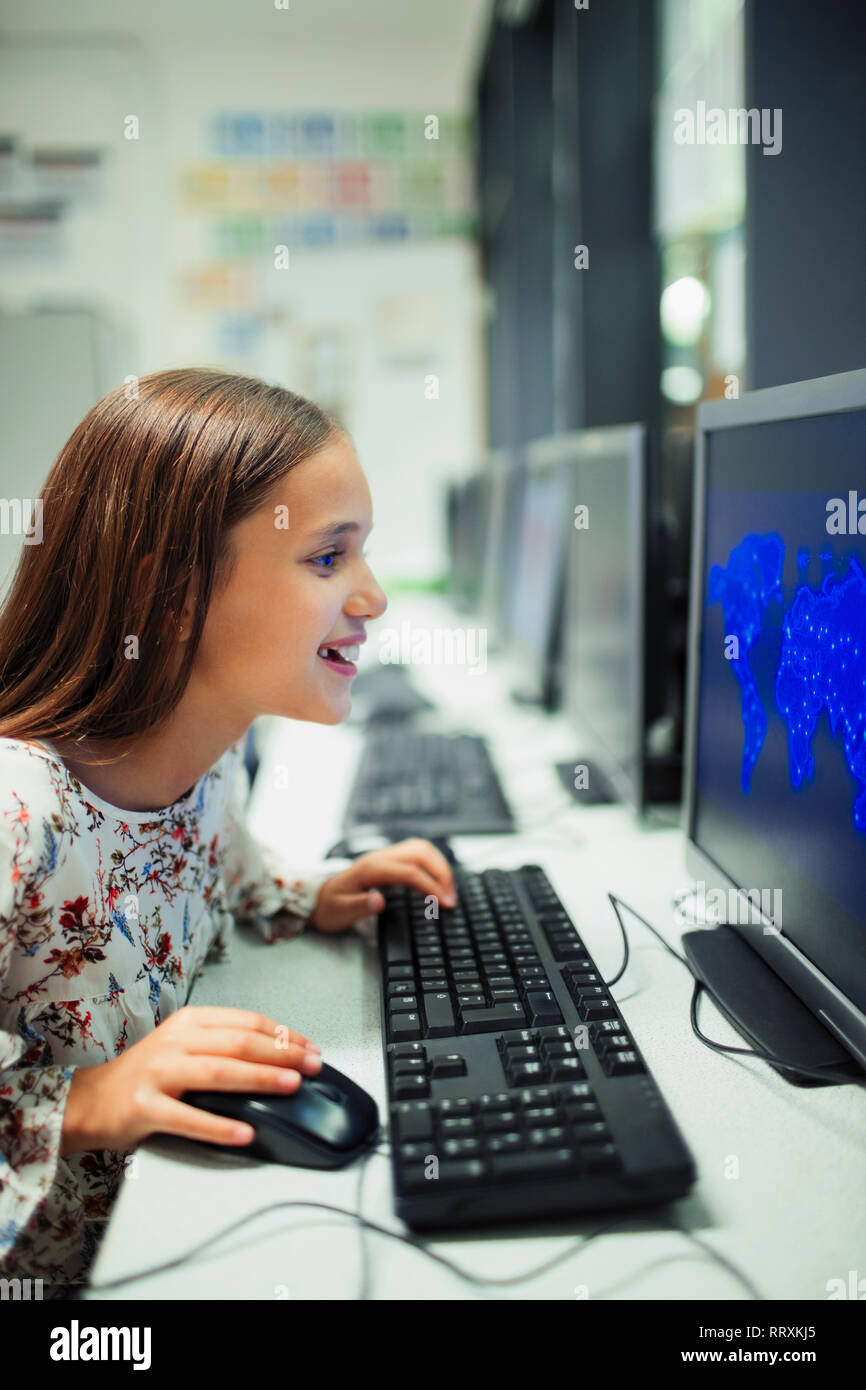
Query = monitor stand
x=599 y=790
x=762 y=1008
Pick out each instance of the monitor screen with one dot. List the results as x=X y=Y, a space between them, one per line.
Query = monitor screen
x=779 y=755
x=467 y=524
x=504 y=480
x=602 y=658
x=536 y=570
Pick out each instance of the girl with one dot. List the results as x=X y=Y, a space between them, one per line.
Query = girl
x=200 y=564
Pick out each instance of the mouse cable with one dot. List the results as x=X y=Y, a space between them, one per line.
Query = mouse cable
x=408 y=1239
x=819 y=1074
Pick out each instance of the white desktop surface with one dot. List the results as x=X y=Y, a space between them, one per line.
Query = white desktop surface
x=780 y=1168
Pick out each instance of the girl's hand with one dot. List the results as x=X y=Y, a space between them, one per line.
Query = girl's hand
x=347 y=896
x=118 y=1103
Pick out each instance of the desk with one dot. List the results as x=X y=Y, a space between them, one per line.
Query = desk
x=780 y=1169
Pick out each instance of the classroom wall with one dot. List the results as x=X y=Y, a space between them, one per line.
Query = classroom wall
x=391 y=315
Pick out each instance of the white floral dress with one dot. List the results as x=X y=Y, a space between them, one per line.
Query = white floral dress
x=106 y=916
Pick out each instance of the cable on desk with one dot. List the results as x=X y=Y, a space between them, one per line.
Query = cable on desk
x=616 y=903
x=822 y=1074
x=819 y=1074
x=413 y=1241
x=362 y=1229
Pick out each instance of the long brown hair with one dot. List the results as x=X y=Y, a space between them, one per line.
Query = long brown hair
x=141 y=497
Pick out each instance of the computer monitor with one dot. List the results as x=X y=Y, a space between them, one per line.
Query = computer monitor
x=466 y=503
x=504 y=492
x=775 y=810
x=616 y=654
x=535 y=572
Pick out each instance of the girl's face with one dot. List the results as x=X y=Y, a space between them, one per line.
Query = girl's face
x=299 y=586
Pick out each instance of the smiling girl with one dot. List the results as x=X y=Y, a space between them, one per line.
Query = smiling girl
x=201 y=564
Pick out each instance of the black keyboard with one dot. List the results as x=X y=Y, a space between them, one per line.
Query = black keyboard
x=432 y=784
x=386 y=693
x=514 y=1086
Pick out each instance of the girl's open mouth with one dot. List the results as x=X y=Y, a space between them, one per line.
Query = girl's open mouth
x=341 y=662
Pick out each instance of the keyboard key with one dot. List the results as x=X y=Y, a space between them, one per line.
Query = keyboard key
x=414 y=1153
x=543 y=1008
x=566 y=1068
x=491 y=1020
x=499 y=1121
x=579 y=1090
x=622 y=1063
x=403 y=1004
x=547 y=1137
x=536 y=1095
x=540 y=1115
x=456 y=1105
x=583 y=978
x=407 y=1087
x=461 y=1148
x=582 y=1112
x=489 y=1104
x=522 y=1073
x=408 y=1050
x=405 y=1026
x=455 y=1125
x=409 y=1066
x=595 y=1009
x=509 y=1142
x=413 y=1121
x=439 y=1015
x=452 y=1065
x=528 y=1165
x=555 y=1033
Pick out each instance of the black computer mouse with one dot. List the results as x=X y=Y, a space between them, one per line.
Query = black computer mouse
x=326 y=1123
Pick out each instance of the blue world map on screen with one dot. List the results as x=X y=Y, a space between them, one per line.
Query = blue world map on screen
x=822 y=659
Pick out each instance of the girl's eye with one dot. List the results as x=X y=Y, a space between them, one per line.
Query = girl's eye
x=326 y=562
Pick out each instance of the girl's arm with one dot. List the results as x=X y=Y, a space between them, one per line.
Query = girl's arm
x=263 y=891
x=33 y=1099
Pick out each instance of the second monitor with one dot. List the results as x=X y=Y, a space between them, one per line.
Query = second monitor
x=596 y=605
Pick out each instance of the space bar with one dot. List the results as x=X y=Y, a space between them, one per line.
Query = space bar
x=489 y=1020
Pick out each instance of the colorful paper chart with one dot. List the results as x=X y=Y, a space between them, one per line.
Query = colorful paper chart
x=320 y=179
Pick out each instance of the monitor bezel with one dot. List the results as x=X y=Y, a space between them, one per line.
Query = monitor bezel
x=503 y=471
x=540 y=458
x=632 y=441
x=827 y=395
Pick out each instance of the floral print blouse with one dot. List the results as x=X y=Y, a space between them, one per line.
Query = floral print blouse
x=106 y=916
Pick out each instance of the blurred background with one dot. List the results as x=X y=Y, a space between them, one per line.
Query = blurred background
x=432 y=171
